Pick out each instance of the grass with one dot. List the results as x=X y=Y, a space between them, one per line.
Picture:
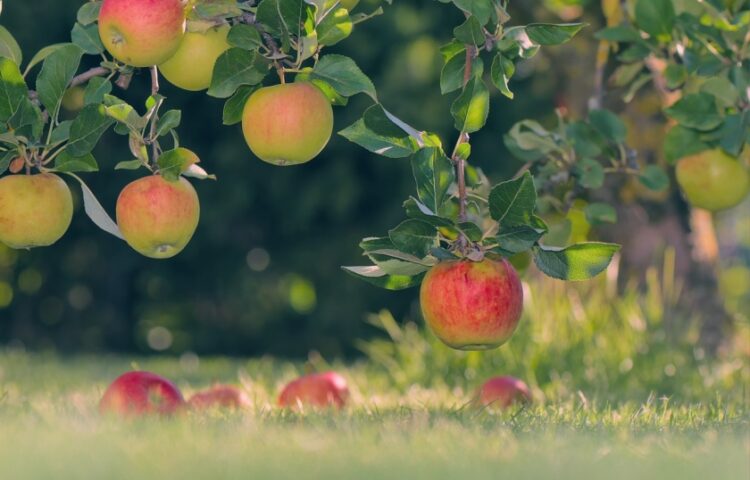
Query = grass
x=621 y=392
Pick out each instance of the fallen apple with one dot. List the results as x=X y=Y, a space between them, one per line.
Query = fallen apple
x=503 y=392
x=139 y=393
x=158 y=218
x=192 y=66
x=287 y=124
x=219 y=396
x=142 y=33
x=35 y=210
x=713 y=180
x=472 y=305
x=317 y=390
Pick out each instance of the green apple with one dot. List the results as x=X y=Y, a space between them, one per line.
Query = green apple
x=35 y=210
x=142 y=33
x=713 y=180
x=287 y=124
x=192 y=66
x=158 y=218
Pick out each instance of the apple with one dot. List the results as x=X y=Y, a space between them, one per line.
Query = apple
x=219 y=396
x=140 y=393
x=320 y=390
x=158 y=218
x=287 y=124
x=35 y=210
x=472 y=305
x=502 y=392
x=192 y=66
x=142 y=33
x=713 y=180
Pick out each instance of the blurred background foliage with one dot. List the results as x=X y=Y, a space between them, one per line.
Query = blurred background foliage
x=262 y=275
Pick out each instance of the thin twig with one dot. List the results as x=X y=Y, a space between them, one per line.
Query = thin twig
x=88 y=75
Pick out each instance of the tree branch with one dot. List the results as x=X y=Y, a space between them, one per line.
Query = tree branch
x=88 y=75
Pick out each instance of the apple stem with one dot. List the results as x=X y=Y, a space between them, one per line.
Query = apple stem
x=458 y=160
x=88 y=75
x=154 y=80
x=155 y=117
x=280 y=72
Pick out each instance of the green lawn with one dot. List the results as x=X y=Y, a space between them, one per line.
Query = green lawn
x=49 y=428
x=621 y=389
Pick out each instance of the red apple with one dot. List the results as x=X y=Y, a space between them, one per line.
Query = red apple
x=472 y=305
x=157 y=217
x=142 y=33
x=502 y=392
x=219 y=396
x=317 y=390
x=140 y=393
x=287 y=124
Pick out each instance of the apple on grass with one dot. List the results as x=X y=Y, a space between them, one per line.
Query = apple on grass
x=318 y=390
x=192 y=66
x=503 y=392
x=142 y=33
x=287 y=124
x=157 y=217
x=472 y=305
x=35 y=210
x=713 y=180
x=140 y=393
x=219 y=396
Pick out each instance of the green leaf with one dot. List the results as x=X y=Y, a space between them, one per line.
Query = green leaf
x=282 y=17
x=42 y=54
x=680 y=142
x=9 y=46
x=89 y=12
x=5 y=159
x=245 y=37
x=481 y=9
x=96 y=89
x=171 y=119
x=675 y=75
x=501 y=71
x=234 y=68
x=87 y=38
x=608 y=124
x=129 y=164
x=576 y=262
x=552 y=34
x=217 y=9
x=697 y=110
x=471 y=108
x=619 y=33
x=13 y=89
x=378 y=134
x=654 y=178
x=734 y=132
x=86 y=129
x=433 y=173
x=418 y=210
x=173 y=163
x=344 y=76
x=375 y=275
x=590 y=173
x=470 y=32
x=513 y=202
x=125 y=114
x=61 y=133
x=598 y=213
x=335 y=27
x=234 y=107
x=57 y=71
x=517 y=239
x=655 y=17
x=624 y=74
x=27 y=120
x=586 y=140
x=65 y=162
x=414 y=237
x=452 y=74
x=723 y=90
